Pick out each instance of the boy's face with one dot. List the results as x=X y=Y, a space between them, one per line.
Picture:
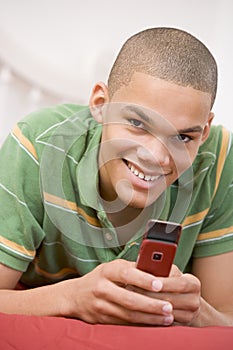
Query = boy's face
x=152 y=130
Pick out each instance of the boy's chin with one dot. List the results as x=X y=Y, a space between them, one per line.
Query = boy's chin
x=136 y=201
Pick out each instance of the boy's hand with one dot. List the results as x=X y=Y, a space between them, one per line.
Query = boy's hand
x=183 y=291
x=102 y=296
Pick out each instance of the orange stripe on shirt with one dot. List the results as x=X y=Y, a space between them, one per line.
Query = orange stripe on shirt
x=16 y=247
x=222 y=157
x=195 y=217
x=24 y=141
x=215 y=234
x=70 y=205
x=62 y=273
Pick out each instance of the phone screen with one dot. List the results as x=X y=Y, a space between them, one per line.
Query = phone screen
x=163 y=230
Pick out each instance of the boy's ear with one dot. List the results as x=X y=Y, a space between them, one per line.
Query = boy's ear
x=206 y=130
x=99 y=97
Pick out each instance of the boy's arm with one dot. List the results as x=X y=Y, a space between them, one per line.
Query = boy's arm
x=98 y=297
x=216 y=276
x=9 y=277
x=23 y=302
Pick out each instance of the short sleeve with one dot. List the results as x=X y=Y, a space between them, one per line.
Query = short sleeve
x=21 y=212
x=216 y=235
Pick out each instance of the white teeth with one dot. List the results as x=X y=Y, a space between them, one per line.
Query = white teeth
x=141 y=175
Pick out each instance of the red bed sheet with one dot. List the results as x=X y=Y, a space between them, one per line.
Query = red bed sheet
x=48 y=333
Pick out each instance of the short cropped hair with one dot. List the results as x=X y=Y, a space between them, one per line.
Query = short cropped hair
x=166 y=53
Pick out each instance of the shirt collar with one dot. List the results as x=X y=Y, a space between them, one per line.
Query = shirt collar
x=87 y=173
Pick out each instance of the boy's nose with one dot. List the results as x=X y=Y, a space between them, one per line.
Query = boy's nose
x=156 y=152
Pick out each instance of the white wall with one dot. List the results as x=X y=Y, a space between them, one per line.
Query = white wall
x=55 y=50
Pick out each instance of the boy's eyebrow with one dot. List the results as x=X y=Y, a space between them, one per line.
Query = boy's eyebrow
x=145 y=117
x=139 y=112
x=196 y=128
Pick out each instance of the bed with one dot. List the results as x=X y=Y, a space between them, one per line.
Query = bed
x=48 y=333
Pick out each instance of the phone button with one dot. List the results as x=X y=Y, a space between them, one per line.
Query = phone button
x=108 y=236
x=158 y=256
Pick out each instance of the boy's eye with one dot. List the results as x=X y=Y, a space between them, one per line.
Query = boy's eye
x=137 y=123
x=183 y=138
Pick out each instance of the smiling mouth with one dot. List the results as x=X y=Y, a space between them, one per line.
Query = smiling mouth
x=140 y=174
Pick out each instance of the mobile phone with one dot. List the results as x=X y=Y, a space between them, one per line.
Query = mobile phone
x=158 y=247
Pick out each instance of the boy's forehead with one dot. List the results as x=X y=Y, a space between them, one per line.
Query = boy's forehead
x=156 y=97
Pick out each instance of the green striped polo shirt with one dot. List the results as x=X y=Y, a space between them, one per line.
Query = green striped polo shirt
x=53 y=225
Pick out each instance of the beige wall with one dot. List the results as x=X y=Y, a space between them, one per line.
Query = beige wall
x=54 y=50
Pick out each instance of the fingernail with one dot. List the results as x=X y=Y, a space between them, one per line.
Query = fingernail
x=167 y=309
x=168 y=320
x=157 y=285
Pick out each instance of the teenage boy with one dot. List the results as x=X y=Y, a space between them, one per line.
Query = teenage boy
x=78 y=184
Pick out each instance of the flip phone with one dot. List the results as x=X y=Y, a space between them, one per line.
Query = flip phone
x=158 y=247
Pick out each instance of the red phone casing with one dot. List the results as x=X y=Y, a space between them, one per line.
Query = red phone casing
x=156 y=257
